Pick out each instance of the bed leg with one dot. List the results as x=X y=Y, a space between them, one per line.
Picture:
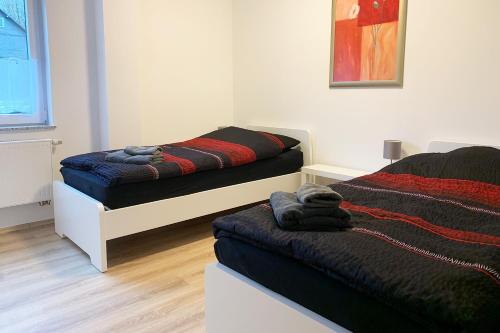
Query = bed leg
x=99 y=257
x=58 y=230
x=58 y=218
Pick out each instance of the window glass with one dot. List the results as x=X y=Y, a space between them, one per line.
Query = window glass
x=22 y=92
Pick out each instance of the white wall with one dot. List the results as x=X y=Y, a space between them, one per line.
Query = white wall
x=152 y=71
x=451 y=90
x=133 y=72
x=74 y=96
x=187 y=68
x=119 y=22
x=168 y=69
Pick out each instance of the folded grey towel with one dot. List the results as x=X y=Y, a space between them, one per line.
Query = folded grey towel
x=292 y=215
x=117 y=157
x=144 y=159
x=121 y=156
x=312 y=195
x=141 y=150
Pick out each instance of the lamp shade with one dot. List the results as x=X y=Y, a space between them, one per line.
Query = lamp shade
x=392 y=149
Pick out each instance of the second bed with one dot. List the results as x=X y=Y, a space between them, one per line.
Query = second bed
x=422 y=256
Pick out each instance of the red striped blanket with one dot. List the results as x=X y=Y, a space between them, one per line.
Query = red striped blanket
x=425 y=241
x=228 y=147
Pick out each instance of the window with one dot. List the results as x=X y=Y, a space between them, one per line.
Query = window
x=23 y=93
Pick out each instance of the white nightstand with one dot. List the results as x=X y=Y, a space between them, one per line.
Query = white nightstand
x=310 y=172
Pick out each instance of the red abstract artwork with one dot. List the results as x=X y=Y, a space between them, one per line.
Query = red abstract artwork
x=385 y=11
x=367 y=42
x=348 y=34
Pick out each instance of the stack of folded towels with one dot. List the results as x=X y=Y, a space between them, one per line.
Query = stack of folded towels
x=313 y=207
x=136 y=155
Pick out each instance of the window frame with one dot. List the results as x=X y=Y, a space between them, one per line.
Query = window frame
x=36 y=38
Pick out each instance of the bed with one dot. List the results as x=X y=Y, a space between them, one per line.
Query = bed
x=422 y=256
x=89 y=211
x=131 y=194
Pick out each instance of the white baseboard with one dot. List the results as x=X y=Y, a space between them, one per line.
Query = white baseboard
x=18 y=215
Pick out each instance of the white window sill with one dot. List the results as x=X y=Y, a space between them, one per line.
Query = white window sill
x=16 y=128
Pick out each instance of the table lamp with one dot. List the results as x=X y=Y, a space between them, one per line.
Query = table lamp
x=392 y=149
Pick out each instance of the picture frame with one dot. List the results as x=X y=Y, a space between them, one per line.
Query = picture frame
x=368 y=43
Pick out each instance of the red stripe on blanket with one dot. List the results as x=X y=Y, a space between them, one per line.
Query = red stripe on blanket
x=154 y=171
x=488 y=271
x=484 y=193
x=274 y=139
x=185 y=165
x=238 y=154
x=453 y=234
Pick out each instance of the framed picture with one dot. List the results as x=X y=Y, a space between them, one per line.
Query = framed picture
x=368 y=43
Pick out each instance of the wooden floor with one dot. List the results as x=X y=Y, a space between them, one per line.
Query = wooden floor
x=154 y=284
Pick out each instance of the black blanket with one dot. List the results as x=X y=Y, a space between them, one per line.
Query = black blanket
x=423 y=242
x=229 y=147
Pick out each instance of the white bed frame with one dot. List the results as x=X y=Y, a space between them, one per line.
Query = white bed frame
x=89 y=225
x=235 y=303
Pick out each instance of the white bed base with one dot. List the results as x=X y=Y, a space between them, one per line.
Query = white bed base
x=85 y=221
x=235 y=303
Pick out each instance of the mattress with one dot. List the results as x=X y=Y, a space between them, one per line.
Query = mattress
x=125 y=195
x=312 y=289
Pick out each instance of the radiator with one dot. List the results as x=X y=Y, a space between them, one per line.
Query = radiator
x=26 y=172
